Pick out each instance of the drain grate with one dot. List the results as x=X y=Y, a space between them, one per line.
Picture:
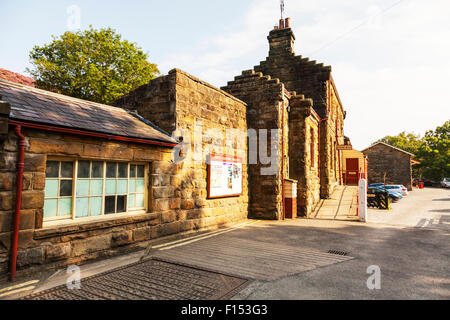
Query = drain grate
x=338 y=252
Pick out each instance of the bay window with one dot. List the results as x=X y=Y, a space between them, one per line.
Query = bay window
x=85 y=188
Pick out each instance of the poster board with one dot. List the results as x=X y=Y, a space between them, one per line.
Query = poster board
x=224 y=177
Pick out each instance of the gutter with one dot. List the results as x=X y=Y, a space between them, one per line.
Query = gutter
x=20 y=166
x=91 y=134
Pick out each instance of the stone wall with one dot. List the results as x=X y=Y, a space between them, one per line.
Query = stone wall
x=210 y=121
x=396 y=164
x=265 y=98
x=303 y=157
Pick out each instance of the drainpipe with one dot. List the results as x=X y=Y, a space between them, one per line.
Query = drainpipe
x=282 y=161
x=20 y=165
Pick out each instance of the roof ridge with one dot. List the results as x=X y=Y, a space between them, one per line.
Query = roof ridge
x=386 y=144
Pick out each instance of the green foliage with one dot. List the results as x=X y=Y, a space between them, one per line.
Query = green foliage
x=433 y=151
x=434 y=154
x=405 y=141
x=95 y=65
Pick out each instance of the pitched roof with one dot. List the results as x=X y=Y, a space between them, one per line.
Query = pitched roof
x=44 y=107
x=16 y=77
x=388 y=145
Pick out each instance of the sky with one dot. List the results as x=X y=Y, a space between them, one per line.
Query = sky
x=390 y=58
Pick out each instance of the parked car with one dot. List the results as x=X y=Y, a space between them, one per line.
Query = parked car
x=445 y=183
x=398 y=188
x=374 y=185
x=395 y=196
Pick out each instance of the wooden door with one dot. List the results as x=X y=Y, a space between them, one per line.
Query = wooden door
x=352 y=171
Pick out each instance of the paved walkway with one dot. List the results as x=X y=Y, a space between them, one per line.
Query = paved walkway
x=342 y=205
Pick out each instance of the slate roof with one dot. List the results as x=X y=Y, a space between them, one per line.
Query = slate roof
x=44 y=107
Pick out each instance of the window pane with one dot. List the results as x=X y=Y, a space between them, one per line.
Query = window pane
x=139 y=201
x=65 y=188
x=51 y=188
x=132 y=170
x=140 y=185
x=110 y=205
x=122 y=186
x=82 y=187
x=65 y=207
x=131 y=198
x=96 y=206
x=83 y=169
x=121 y=203
x=132 y=185
x=97 y=169
x=66 y=169
x=82 y=207
x=123 y=170
x=52 y=170
x=110 y=186
x=141 y=171
x=96 y=187
x=50 y=208
x=111 y=170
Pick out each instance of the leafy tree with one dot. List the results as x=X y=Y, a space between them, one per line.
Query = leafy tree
x=405 y=141
x=95 y=65
x=434 y=153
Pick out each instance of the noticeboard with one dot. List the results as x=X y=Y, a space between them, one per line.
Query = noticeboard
x=224 y=177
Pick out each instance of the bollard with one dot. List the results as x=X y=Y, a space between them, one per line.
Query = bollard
x=362 y=203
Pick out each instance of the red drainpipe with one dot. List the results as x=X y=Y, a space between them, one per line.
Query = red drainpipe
x=282 y=161
x=20 y=165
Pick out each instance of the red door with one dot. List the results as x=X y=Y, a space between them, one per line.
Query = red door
x=352 y=171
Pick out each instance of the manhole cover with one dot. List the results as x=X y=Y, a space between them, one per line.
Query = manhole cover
x=149 y=280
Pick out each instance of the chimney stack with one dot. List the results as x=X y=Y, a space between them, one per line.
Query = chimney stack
x=281 y=39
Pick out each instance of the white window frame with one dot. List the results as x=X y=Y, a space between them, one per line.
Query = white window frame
x=74 y=197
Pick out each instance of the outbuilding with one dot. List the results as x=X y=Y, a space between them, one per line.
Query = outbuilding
x=390 y=165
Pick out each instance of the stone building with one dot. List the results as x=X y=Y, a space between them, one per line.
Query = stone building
x=314 y=81
x=389 y=164
x=316 y=115
x=101 y=180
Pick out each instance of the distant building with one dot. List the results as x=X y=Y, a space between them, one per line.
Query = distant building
x=389 y=164
x=16 y=77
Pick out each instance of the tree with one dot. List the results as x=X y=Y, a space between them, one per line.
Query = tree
x=95 y=65
x=434 y=153
x=405 y=141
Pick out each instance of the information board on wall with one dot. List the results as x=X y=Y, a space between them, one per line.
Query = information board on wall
x=224 y=177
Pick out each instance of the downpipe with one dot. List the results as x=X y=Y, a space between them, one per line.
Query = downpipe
x=19 y=181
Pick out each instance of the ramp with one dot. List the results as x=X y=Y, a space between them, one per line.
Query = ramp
x=342 y=205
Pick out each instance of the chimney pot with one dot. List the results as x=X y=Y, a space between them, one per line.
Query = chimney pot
x=287 y=23
x=281 y=23
x=275 y=28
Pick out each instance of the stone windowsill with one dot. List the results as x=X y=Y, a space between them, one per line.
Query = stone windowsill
x=59 y=228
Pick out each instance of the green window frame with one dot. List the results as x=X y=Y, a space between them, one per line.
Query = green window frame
x=92 y=188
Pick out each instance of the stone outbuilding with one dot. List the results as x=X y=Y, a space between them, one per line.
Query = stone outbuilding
x=389 y=164
x=101 y=180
